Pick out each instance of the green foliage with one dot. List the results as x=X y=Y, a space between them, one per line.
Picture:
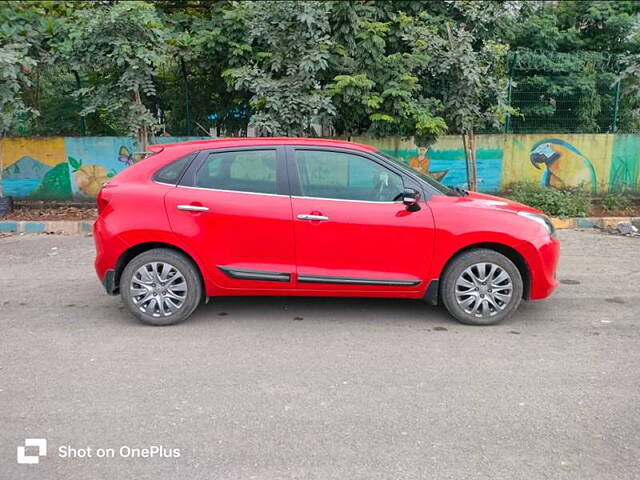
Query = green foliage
x=476 y=92
x=568 y=54
x=290 y=44
x=619 y=200
x=630 y=78
x=375 y=68
x=380 y=90
x=14 y=65
x=17 y=59
x=119 y=47
x=573 y=202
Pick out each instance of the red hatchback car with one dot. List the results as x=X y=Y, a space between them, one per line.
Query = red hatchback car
x=311 y=217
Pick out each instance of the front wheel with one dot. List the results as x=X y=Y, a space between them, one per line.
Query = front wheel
x=481 y=287
x=161 y=287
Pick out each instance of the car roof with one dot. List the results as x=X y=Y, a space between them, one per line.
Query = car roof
x=262 y=141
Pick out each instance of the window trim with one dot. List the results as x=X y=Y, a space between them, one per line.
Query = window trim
x=282 y=184
x=344 y=199
x=295 y=184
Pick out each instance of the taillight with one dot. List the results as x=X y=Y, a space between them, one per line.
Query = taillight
x=102 y=200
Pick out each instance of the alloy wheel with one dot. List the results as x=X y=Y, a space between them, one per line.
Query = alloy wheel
x=158 y=289
x=483 y=289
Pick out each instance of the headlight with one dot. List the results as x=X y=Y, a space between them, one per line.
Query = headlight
x=541 y=219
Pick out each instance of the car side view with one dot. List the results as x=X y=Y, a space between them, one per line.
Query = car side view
x=311 y=217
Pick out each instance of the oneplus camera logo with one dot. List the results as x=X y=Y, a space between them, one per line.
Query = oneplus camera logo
x=40 y=443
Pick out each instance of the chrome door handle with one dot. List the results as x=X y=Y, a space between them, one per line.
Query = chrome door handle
x=319 y=218
x=193 y=208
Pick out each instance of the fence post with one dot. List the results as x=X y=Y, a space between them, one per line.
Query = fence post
x=614 y=126
x=187 y=112
x=507 y=123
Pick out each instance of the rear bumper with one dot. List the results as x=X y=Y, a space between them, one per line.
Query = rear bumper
x=109 y=282
x=108 y=251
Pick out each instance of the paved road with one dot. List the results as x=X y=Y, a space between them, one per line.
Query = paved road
x=321 y=389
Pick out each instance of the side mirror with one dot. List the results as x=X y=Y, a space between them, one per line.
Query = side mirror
x=410 y=198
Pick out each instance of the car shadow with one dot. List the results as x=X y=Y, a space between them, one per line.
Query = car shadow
x=320 y=309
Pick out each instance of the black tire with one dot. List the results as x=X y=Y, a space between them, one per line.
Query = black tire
x=456 y=268
x=191 y=278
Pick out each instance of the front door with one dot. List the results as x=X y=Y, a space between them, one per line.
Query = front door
x=233 y=208
x=352 y=231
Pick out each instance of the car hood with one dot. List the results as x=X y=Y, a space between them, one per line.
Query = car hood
x=491 y=201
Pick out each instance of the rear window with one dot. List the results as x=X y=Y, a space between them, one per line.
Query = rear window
x=172 y=172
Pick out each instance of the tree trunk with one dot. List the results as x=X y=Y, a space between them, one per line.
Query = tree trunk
x=1 y=168
x=466 y=158
x=143 y=135
x=1 y=162
x=474 y=164
x=469 y=142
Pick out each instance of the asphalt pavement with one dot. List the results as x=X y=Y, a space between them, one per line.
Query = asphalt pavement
x=299 y=388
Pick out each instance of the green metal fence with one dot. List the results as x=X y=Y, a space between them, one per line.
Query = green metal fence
x=564 y=92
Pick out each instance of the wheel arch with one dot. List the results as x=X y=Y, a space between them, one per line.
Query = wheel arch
x=509 y=252
x=136 y=250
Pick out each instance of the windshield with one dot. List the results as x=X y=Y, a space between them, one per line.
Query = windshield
x=427 y=178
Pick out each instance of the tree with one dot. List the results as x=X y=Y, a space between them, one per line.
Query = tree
x=16 y=64
x=378 y=68
x=475 y=90
x=117 y=48
x=567 y=58
x=289 y=45
x=206 y=42
x=379 y=91
x=39 y=26
x=630 y=77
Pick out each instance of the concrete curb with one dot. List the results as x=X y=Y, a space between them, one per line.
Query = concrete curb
x=593 y=222
x=86 y=226
x=58 y=226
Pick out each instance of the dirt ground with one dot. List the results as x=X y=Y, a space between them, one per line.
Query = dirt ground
x=41 y=211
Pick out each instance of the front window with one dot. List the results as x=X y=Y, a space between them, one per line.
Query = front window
x=327 y=174
x=426 y=177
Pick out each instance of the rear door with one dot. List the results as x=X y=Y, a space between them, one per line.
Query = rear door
x=233 y=208
x=352 y=231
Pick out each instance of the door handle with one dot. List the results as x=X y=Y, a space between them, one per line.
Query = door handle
x=318 y=218
x=193 y=208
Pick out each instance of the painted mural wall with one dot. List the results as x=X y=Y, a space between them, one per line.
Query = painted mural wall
x=445 y=159
x=598 y=163
x=65 y=168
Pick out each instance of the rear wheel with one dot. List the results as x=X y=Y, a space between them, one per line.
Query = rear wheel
x=481 y=287
x=161 y=287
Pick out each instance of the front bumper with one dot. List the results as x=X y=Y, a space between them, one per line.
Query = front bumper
x=543 y=264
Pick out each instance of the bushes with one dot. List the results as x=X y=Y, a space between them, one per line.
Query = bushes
x=620 y=200
x=571 y=202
